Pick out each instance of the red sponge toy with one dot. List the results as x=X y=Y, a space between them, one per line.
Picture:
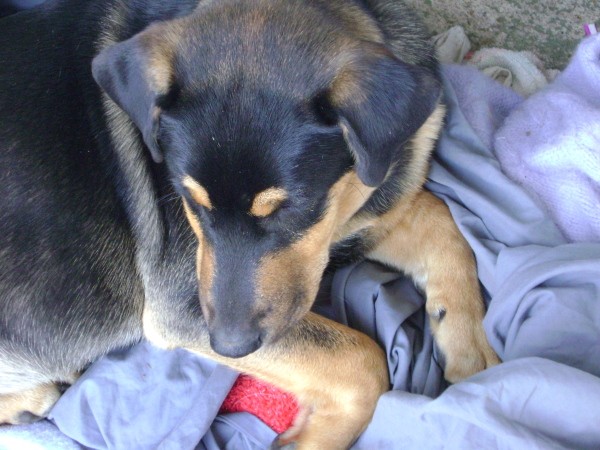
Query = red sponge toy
x=276 y=408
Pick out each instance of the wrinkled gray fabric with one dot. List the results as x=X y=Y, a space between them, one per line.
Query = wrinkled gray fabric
x=544 y=302
x=387 y=307
x=144 y=398
x=529 y=403
x=237 y=431
x=543 y=320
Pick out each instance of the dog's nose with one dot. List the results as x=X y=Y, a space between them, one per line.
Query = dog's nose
x=236 y=344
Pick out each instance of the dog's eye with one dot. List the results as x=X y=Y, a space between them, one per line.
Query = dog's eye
x=277 y=215
x=268 y=202
x=280 y=213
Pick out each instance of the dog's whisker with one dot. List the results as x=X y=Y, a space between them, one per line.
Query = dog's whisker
x=168 y=199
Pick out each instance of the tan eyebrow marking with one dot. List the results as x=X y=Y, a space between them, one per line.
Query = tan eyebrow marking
x=192 y=219
x=267 y=201
x=198 y=193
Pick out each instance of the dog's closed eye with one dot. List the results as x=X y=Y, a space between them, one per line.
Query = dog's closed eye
x=268 y=201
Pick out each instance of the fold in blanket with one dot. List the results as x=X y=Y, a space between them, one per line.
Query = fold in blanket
x=543 y=320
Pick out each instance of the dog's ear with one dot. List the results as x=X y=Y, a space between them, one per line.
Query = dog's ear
x=380 y=102
x=137 y=76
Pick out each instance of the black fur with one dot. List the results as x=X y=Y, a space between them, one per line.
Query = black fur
x=92 y=231
x=351 y=249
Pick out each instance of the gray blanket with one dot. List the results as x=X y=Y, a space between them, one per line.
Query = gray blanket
x=543 y=320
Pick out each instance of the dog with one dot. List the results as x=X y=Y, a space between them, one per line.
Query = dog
x=185 y=172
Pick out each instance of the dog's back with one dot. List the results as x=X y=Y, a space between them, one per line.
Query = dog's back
x=66 y=251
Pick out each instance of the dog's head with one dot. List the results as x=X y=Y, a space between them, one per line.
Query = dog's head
x=276 y=124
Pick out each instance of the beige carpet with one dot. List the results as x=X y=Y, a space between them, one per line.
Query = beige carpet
x=550 y=28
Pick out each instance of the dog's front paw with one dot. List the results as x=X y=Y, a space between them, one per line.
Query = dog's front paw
x=461 y=338
x=338 y=406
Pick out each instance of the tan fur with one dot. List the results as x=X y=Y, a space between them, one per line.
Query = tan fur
x=346 y=85
x=425 y=242
x=277 y=272
x=161 y=40
x=301 y=366
x=289 y=267
x=37 y=401
x=268 y=201
x=205 y=266
x=197 y=191
x=356 y=23
x=419 y=236
x=205 y=261
x=429 y=245
x=422 y=145
x=193 y=220
x=349 y=195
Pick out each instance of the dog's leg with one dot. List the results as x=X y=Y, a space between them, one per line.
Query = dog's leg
x=422 y=239
x=336 y=373
x=32 y=400
x=28 y=405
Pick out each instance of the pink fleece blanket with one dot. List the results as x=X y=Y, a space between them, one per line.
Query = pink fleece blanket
x=550 y=144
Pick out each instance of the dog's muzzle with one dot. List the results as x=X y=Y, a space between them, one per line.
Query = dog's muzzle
x=235 y=344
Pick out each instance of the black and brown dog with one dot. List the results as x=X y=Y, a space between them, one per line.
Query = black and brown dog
x=184 y=171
